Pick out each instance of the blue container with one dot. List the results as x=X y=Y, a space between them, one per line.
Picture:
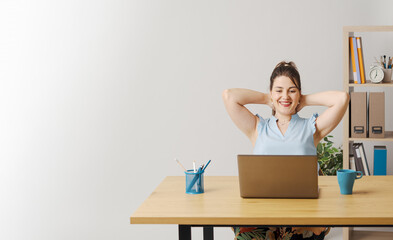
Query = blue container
x=194 y=182
x=380 y=157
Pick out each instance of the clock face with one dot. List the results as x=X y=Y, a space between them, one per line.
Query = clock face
x=376 y=75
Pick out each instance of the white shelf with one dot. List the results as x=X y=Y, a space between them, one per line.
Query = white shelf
x=388 y=138
x=370 y=84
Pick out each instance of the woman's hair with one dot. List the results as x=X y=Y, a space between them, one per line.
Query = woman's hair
x=287 y=69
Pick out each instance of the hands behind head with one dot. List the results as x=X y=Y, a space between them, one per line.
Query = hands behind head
x=301 y=104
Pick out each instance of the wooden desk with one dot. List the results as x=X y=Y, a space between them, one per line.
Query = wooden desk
x=221 y=205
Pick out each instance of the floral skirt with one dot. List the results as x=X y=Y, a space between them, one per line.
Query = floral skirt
x=280 y=233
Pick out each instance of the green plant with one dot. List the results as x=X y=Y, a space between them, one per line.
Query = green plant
x=330 y=159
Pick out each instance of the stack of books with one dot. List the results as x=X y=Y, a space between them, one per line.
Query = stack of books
x=358 y=161
x=356 y=58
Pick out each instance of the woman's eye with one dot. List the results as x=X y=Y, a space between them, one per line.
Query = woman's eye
x=293 y=91
x=278 y=91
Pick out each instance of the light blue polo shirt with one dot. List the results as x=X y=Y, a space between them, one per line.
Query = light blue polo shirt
x=297 y=140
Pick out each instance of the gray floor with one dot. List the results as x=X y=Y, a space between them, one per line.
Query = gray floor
x=335 y=234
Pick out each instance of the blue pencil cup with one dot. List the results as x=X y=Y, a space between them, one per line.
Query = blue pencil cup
x=194 y=182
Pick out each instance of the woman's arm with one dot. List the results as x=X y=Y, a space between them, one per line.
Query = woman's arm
x=337 y=103
x=235 y=99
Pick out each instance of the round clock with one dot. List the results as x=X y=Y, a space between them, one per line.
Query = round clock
x=376 y=74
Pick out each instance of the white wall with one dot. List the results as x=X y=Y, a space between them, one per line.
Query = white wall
x=98 y=97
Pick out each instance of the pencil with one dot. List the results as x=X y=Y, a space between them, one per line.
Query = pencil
x=178 y=162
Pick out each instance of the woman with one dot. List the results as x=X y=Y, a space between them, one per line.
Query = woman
x=285 y=133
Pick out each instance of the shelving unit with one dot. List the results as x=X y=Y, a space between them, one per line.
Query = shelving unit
x=349 y=31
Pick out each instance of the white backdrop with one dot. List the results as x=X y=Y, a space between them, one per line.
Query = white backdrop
x=98 y=97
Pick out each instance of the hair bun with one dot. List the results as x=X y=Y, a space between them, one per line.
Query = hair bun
x=286 y=64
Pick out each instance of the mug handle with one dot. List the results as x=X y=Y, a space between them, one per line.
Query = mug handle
x=361 y=175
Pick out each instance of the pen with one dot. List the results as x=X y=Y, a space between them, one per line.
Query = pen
x=193 y=165
x=207 y=164
x=384 y=61
x=199 y=172
x=178 y=162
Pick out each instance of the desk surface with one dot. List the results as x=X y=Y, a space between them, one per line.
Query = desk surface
x=221 y=204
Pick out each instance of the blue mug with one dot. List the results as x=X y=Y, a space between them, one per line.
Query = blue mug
x=346 y=179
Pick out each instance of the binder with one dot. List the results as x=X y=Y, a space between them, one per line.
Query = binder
x=364 y=159
x=380 y=160
x=361 y=62
x=376 y=115
x=352 y=164
x=352 y=53
x=358 y=159
x=356 y=59
x=358 y=109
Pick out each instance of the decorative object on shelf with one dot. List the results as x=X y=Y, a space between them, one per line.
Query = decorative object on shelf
x=376 y=74
x=330 y=159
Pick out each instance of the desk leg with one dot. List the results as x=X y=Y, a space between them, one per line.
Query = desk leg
x=208 y=233
x=184 y=232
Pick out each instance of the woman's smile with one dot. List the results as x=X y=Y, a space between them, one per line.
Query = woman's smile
x=285 y=103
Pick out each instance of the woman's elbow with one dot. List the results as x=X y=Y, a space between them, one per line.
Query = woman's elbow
x=226 y=95
x=344 y=98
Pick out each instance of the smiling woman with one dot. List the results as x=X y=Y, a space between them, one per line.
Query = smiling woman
x=286 y=100
x=284 y=133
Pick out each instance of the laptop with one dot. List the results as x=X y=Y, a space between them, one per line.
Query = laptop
x=278 y=176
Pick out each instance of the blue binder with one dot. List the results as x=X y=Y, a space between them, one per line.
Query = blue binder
x=380 y=156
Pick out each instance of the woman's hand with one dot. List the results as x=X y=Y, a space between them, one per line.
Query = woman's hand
x=235 y=99
x=337 y=103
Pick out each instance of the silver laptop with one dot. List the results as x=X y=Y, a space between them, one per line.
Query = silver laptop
x=278 y=176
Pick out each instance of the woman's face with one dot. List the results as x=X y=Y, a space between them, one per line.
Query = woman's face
x=285 y=96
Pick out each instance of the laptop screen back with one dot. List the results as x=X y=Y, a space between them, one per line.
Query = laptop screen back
x=278 y=176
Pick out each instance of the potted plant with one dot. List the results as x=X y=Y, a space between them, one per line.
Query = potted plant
x=330 y=159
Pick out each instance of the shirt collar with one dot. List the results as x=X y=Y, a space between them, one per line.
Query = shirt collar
x=293 y=117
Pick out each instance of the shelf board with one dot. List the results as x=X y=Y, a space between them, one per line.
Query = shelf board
x=388 y=138
x=368 y=28
x=360 y=235
x=370 y=84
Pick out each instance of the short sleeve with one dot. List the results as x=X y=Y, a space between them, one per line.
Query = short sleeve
x=312 y=121
x=261 y=123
